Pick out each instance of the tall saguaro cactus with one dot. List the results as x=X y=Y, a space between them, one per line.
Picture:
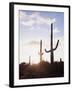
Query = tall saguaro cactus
x=51 y=44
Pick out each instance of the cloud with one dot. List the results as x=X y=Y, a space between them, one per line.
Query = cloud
x=33 y=43
x=35 y=18
x=22 y=15
x=28 y=23
x=56 y=30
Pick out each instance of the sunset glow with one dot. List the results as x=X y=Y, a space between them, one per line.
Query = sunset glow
x=36 y=26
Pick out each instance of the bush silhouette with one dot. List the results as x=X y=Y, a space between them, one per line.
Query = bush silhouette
x=41 y=70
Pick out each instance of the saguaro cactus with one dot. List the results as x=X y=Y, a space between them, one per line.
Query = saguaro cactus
x=29 y=59
x=41 y=53
x=51 y=44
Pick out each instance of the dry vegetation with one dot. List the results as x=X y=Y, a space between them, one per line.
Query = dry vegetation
x=41 y=70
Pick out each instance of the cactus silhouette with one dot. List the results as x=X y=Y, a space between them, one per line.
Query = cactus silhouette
x=52 y=49
x=40 y=53
x=29 y=60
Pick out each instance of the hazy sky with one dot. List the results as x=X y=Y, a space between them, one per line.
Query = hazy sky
x=35 y=26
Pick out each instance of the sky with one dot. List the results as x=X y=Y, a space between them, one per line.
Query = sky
x=35 y=26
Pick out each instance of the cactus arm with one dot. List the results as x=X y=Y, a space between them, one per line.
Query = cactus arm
x=56 y=45
x=52 y=49
x=47 y=51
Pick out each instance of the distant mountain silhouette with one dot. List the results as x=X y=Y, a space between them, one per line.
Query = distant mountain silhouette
x=41 y=70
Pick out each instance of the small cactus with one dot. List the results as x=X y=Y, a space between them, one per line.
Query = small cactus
x=40 y=53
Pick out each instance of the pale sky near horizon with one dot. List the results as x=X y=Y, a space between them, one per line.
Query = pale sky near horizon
x=35 y=26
